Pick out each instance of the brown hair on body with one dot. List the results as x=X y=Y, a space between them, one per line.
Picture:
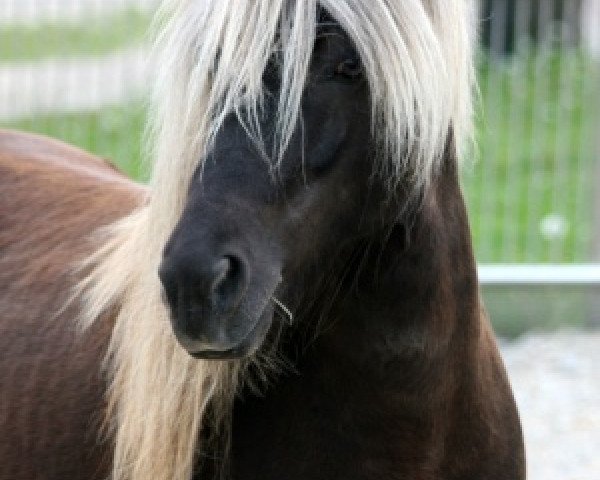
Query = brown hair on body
x=53 y=197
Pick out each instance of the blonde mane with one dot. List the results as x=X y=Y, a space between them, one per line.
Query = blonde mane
x=212 y=54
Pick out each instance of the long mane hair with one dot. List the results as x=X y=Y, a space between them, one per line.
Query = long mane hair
x=212 y=54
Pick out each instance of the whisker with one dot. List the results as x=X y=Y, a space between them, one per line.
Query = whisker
x=284 y=309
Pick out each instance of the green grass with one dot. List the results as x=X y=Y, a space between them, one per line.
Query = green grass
x=537 y=157
x=93 y=36
x=113 y=133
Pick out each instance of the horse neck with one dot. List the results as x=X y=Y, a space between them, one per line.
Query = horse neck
x=414 y=303
x=403 y=378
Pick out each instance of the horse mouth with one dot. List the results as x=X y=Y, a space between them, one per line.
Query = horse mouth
x=230 y=354
x=244 y=348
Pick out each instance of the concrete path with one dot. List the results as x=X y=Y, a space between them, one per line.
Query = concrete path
x=71 y=85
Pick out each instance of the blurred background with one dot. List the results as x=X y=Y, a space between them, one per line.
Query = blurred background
x=78 y=70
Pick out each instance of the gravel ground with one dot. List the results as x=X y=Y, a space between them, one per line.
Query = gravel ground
x=556 y=381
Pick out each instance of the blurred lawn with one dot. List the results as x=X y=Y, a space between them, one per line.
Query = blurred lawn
x=94 y=36
x=536 y=158
x=113 y=133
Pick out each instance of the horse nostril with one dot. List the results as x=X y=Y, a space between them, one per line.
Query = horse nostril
x=193 y=284
x=228 y=283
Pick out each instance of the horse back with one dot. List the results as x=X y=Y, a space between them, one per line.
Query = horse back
x=52 y=197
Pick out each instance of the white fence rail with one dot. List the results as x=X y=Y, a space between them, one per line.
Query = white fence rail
x=539 y=275
x=32 y=11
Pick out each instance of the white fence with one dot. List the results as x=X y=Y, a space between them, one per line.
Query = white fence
x=32 y=11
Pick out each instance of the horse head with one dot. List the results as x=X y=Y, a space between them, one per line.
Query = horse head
x=250 y=229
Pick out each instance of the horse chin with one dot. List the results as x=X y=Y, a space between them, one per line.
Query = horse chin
x=246 y=347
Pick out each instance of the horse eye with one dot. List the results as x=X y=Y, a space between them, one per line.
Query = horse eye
x=350 y=68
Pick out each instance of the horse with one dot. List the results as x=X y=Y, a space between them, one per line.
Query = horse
x=294 y=294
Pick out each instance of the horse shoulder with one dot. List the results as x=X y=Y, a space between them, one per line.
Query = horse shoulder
x=52 y=198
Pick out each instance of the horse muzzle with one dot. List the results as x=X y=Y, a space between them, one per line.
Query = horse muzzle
x=217 y=311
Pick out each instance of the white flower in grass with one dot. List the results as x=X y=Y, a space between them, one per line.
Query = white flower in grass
x=554 y=226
